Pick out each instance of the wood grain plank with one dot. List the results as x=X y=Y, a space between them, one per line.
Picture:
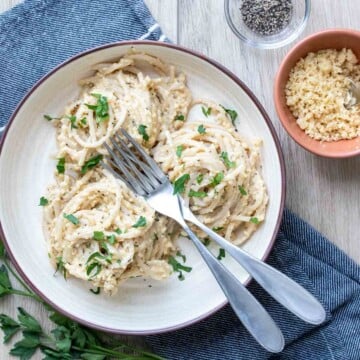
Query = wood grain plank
x=324 y=192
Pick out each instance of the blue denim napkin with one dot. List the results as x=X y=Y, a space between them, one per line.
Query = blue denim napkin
x=39 y=34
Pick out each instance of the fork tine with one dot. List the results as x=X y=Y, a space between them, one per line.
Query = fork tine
x=144 y=167
x=129 y=162
x=136 y=185
x=153 y=165
x=109 y=168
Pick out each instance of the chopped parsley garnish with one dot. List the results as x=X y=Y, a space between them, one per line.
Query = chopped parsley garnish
x=142 y=131
x=43 y=201
x=198 y=194
x=225 y=157
x=177 y=267
x=179 y=184
x=217 y=228
x=242 y=190
x=111 y=239
x=200 y=178
x=118 y=231
x=83 y=121
x=217 y=179
x=96 y=292
x=254 y=220
x=93 y=269
x=206 y=241
x=181 y=255
x=206 y=112
x=179 y=150
x=98 y=236
x=140 y=223
x=101 y=108
x=232 y=114
x=60 y=166
x=49 y=118
x=221 y=254
x=91 y=163
x=73 y=219
x=72 y=119
x=201 y=129
x=60 y=266
x=180 y=117
x=97 y=255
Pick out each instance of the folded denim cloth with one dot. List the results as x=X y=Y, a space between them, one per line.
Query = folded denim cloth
x=39 y=34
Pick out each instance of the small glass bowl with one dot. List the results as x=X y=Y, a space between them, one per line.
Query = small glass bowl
x=299 y=18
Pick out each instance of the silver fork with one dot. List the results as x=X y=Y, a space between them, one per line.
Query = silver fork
x=142 y=175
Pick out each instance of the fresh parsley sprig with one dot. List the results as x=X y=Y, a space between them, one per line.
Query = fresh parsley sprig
x=101 y=108
x=67 y=340
x=232 y=114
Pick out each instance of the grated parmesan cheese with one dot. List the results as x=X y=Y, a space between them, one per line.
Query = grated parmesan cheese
x=315 y=94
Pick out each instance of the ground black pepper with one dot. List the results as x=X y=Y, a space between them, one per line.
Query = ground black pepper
x=266 y=17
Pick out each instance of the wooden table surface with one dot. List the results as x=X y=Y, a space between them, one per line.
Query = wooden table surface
x=324 y=192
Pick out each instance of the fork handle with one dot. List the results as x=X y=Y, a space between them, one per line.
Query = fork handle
x=250 y=312
x=286 y=291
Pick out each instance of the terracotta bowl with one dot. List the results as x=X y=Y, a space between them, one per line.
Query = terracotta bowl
x=328 y=39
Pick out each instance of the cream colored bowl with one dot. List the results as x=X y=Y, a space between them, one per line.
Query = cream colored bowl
x=26 y=167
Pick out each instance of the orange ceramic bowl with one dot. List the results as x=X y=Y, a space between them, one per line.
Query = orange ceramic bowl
x=328 y=39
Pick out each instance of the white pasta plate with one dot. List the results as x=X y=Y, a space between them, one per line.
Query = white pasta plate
x=27 y=165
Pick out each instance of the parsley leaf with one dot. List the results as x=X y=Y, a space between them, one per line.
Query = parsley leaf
x=242 y=190
x=111 y=239
x=225 y=157
x=232 y=114
x=73 y=219
x=201 y=129
x=28 y=322
x=179 y=150
x=180 y=117
x=177 y=267
x=198 y=194
x=72 y=119
x=140 y=223
x=60 y=266
x=200 y=178
x=205 y=111
x=98 y=235
x=101 y=108
x=96 y=292
x=49 y=118
x=217 y=179
x=118 y=231
x=217 y=228
x=2 y=250
x=5 y=284
x=221 y=254
x=91 y=163
x=90 y=269
x=96 y=255
x=178 y=253
x=9 y=326
x=142 y=131
x=206 y=241
x=179 y=184
x=61 y=165
x=83 y=121
x=62 y=337
x=43 y=201
x=254 y=220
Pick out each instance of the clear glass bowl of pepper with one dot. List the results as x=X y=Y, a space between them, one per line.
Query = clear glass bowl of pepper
x=267 y=24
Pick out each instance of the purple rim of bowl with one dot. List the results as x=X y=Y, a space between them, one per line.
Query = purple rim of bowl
x=267 y=121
